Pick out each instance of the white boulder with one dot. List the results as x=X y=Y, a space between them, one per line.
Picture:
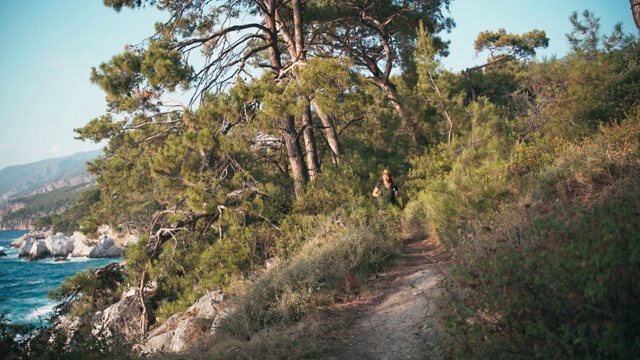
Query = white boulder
x=25 y=246
x=103 y=247
x=59 y=245
x=17 y=243
x=121 y=318
x=82 y=246
x=106 y=248
x=38 y=251
x=131 y=240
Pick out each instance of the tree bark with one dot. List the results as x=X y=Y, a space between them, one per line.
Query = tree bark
x=313 y=166
x=272 y=38
x=330 y=132
x=295 y=45
x=635 y=10
x=144 y=316
x=294 y=152
x=408 y=123
x=289 y=132
x=297 y=25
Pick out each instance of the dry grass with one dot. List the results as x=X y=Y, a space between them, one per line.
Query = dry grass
x=277 y=313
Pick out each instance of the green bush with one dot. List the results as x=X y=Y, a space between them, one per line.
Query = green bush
x=555 y=274
x=297 y=229
x=574 y=294
x=452 y=205
x=455 y=184
x=186 y=273
x=89 y=291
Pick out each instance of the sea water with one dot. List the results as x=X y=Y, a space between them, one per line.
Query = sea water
x=24 y=284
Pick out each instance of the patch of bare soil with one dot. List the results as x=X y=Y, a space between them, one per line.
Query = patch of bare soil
x=391 y=317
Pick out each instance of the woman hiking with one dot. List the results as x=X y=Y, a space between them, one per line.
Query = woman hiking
x=386 y=190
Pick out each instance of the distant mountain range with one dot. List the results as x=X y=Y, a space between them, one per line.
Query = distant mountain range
x=23 y=185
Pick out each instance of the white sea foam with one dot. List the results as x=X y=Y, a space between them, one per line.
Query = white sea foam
x=34 y=301
x=41 y=312
x=48 y=261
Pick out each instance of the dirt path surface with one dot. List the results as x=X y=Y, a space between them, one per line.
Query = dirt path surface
x=393 y=317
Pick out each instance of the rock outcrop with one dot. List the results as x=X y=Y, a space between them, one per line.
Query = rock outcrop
x=120 y=319
x=131 y=240
x=38 y=251
x=82 y=246
x=24 y=243
x=40 y=234
x=61 y=246
x=18 y=242
x=177 y=333
x=106 y=248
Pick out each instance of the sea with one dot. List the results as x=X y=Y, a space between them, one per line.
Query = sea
x=24 y=284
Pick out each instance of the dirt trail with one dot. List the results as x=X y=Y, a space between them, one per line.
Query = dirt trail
x=392 y=319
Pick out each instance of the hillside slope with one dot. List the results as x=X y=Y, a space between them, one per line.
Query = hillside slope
x=47 y=186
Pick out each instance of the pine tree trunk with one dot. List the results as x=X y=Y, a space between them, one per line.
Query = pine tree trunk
x=294 y=152
x=407 y=121
x=313 y=166
x=289 y=132
x=635 y=9
x=297 y=24
x=274 y=52
x=330 y=132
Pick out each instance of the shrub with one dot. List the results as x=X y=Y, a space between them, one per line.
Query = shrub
x=452 y=205
x=573 y=294
x=184 y=274
x=556 y=277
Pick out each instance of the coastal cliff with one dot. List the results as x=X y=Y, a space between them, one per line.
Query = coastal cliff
x=46 y=187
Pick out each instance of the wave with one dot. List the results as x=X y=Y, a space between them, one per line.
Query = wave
x=68 y=259
x=73 y=259
x=41 y=313
x=25 y=286
x=35 y=301
x=10 y=285
x=10 y=251
x=50 y=260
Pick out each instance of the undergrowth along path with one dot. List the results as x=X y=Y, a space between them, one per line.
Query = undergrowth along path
x=392 y=316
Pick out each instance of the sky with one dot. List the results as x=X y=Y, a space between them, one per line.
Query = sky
x=49 y=47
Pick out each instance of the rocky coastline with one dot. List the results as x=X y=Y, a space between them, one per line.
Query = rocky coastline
x=35 y=245
x=122 y=319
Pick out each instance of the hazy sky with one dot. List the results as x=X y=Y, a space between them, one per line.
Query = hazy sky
x=48 y=48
